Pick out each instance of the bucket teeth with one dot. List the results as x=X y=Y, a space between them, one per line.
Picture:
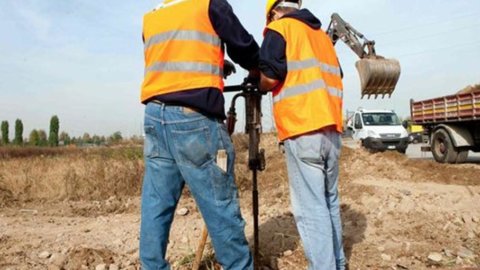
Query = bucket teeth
x=378 y=76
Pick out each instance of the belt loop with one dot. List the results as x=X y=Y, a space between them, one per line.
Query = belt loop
x=164 y=111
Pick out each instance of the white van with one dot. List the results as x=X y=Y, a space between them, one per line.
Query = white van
x=378 y=130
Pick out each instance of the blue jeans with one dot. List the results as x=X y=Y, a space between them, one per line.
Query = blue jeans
x=312 y=163
x=180 y=148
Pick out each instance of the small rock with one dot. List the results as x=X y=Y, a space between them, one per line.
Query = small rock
x=113 y=267
x=57 y=259
x=465 y=253
x=101 y=266
x=457 y=221
x=402 y=266
x=475 y=219
x=44 y=255
x=406 y=192
x=386 y=257
x=287 y=253
x=458 y=260
x=182 y=211
x=448 y=252
x=466 y=218
x=471 y=235
x=435 y=257
x=381 y=249
x=184 y=240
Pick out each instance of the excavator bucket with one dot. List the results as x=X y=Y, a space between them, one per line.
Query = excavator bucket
x=378 y=76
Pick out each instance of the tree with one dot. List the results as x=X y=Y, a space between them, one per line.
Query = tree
x=18 y=132
x=65 y=138
x=116 y=137
x=5 y=139
x=96 y=140
x=42 y=135
x=34 y=138
x=74 y=141
x=54 y=128
x=86 y=138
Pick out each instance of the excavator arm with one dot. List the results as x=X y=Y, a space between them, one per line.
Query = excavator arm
x=378 y=75
x=340 y=29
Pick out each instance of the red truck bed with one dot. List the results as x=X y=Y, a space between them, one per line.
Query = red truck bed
x=453 y=108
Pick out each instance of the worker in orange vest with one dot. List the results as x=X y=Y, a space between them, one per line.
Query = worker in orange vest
x=184 y=131
x=299 y=65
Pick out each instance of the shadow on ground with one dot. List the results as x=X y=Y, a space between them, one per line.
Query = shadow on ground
x=279 y=235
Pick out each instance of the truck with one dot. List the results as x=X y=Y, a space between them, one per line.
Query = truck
x=415 y=132
x=378 y=130
x=452 y=124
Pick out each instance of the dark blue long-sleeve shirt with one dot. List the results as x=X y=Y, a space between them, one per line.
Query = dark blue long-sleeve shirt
x=273 y=60
x=241 y=47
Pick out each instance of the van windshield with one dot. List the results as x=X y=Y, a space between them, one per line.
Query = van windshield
x=380 y=119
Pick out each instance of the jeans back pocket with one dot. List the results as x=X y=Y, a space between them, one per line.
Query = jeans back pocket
x=193 y=145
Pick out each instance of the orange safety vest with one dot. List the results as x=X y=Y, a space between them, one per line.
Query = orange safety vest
x=182 y=49
x=311 y=96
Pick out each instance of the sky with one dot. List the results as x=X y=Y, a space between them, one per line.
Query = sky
x=83 y=60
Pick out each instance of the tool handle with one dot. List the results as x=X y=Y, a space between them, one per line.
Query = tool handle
x=200 y=248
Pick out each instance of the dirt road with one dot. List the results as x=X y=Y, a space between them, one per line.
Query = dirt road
x=398 y=213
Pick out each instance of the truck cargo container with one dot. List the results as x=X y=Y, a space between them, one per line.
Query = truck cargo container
x=452 y=124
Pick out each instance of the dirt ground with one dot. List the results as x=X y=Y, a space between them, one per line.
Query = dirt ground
x=397 y=213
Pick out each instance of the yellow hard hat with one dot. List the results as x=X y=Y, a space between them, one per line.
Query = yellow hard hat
x=273 y=3
x=270 y=4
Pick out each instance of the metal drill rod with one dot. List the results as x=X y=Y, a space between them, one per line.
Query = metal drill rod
x=256 y=159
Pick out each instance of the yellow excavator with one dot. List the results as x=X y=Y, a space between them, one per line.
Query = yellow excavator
x=378 y=75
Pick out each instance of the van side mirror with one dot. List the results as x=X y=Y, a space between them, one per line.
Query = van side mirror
x=358 y=126
x=405 y=124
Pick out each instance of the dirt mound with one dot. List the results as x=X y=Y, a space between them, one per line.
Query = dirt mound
x=470 y=89
x=88 y=257
x=396 y=166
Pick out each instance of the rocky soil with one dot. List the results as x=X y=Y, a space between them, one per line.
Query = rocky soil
x=397 y=213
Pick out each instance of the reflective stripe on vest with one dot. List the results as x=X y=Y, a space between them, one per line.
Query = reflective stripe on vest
x=318 y=85
x=190 y=35
x=313 y=62
x=185 y=67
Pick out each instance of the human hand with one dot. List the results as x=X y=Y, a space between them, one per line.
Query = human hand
x=253 y=77
x=228 y=69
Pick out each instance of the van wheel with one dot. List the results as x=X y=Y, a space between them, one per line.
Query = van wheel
x=442 y=147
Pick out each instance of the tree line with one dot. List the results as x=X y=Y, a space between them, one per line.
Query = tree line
x=38 y=137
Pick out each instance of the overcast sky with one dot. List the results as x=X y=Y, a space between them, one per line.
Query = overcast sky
x=83 y=60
